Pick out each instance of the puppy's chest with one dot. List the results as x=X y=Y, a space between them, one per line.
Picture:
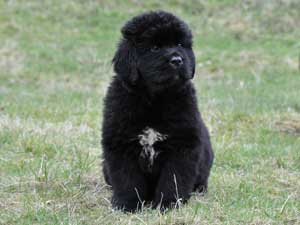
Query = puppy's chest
x=147 y=140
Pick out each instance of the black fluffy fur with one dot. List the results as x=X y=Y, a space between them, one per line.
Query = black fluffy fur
x=148 y=91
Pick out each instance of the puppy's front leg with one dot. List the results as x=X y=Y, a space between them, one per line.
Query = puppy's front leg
x=129 y=186
x=176 y=182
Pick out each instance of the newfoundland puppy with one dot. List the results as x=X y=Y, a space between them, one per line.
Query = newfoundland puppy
x=156 y=147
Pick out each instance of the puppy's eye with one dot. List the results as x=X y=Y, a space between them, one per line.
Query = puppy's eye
x=155 y=48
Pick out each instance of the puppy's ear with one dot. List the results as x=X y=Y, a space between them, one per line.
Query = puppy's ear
x=193 y=64
x=125 y=63
x=193 y=70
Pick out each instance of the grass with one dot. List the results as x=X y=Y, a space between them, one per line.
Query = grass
x=55 y=67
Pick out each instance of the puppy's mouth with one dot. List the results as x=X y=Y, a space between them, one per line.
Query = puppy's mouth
x=177 y=77
x=170 y=75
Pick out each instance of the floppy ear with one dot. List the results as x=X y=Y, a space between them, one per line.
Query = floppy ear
x=125 y=63
x=194 y=68
x=193 y=64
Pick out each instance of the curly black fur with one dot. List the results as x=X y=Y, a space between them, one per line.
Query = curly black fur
x=156 y=147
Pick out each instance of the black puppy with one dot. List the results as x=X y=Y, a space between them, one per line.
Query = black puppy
x=156 y=147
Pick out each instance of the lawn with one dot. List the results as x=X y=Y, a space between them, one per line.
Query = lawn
x=55 y=66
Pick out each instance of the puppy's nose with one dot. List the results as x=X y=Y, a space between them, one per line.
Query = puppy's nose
x=176 y=61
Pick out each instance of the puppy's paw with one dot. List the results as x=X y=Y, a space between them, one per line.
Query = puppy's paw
x=131 y=205
x=168 y=203
x=201 y=189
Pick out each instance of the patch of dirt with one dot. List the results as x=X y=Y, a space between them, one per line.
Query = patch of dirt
x=289 y=126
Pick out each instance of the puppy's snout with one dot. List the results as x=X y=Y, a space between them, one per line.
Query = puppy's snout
x=176 y=61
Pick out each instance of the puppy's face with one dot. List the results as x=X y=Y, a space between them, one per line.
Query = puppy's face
x=165 y=59
x=159 y=51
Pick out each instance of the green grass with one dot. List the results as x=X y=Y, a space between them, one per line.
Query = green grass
x=54 y=69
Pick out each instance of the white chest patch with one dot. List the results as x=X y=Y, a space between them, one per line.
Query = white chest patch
x=147 y=139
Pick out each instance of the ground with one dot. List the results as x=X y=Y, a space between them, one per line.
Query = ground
x=55 y=65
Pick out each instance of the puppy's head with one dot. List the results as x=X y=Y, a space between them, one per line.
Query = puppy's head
x=155 y=52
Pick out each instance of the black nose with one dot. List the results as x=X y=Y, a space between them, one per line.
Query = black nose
x=176 y=61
